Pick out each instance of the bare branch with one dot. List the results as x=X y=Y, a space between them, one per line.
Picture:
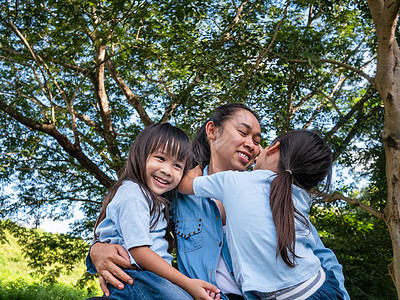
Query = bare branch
x=181 y=98
x=310 y=12
x=105 y=113
x=132 y=99
x=334 y=62
x=236 y=19
x=73 y=150
x=28 y=46
x=314 y=115
x=342 y=120
x=278 y=26
x=337 y=196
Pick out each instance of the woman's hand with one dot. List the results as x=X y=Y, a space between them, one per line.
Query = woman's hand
x=108 y=260
x=202 y=290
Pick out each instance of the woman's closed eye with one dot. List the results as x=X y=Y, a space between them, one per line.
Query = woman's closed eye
x=242 y=132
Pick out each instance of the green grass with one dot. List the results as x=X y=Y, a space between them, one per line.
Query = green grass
x=18 y=281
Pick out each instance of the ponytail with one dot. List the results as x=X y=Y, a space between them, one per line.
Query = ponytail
x=305 y=160
x=283 y=214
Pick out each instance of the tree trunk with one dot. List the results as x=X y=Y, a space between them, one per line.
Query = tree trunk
x=387 y=80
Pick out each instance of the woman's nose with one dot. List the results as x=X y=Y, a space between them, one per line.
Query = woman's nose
x=249 y=143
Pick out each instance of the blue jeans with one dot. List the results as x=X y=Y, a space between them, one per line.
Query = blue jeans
x=329 y=290
x=148 y=285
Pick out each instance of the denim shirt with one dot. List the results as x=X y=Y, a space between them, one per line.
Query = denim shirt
x=200 y=237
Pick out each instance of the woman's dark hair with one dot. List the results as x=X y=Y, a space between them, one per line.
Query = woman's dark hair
x=305 y=160
x=166 y=138
x=200 y=146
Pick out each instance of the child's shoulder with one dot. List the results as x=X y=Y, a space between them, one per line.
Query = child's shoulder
x=129 y=185
x=128 y=190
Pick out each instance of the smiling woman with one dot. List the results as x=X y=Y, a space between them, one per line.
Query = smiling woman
x=234 y=145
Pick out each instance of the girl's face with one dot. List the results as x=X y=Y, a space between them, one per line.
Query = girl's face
x=163 y=172
x=234 y=145
x=268 y=158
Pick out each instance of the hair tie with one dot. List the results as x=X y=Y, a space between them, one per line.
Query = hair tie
x=289 y=172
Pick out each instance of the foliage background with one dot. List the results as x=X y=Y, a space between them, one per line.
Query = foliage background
x=79 y=80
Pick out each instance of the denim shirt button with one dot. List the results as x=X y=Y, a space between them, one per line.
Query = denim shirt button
x=220 y=244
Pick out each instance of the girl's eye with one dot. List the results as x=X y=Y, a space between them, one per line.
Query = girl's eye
x=178 y=166
x=256 y=142
x=160 y=158
x=242 y=132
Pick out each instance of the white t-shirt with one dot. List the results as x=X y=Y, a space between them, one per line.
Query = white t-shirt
x=223 y=277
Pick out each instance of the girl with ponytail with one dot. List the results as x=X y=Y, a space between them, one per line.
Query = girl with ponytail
x=268 y=232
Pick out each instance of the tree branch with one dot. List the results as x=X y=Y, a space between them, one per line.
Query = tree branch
x=73 y=150
x=132 y=99
x=344 y=119
x=105 y=113
x=337 y=196
x=181 y=98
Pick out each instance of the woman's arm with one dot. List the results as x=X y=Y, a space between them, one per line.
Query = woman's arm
x=147 y=259
x=108 y=260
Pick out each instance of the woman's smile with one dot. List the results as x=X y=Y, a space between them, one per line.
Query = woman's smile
x=235 y=145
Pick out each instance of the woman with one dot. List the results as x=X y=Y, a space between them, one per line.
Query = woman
x=227 y=141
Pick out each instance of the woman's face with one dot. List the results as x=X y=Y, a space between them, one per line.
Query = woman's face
x=234 y=145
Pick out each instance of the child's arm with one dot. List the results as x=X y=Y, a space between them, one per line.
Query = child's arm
x=147 y=259
x=186 y=185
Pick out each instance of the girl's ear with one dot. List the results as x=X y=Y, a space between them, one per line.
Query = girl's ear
x=211 y=130
x=273 y=148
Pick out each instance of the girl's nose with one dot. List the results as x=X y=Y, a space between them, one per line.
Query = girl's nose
x=166 y=169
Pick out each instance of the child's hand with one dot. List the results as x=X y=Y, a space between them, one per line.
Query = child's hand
x=202 y=290
x=195 y=172
x=186 y=185
x=213 y=295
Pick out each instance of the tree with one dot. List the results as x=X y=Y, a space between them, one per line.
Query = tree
x=387 y=80
x=80 y=79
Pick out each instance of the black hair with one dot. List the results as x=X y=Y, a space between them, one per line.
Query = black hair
x=304 y=160
x=166 y=138
x=200 y=146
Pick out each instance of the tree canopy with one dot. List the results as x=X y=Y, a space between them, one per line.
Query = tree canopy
x=79 y=80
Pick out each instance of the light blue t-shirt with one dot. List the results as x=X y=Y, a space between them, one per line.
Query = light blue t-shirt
x=251 y=233
x=128 y=221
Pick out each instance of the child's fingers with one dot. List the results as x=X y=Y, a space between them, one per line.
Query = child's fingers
x=210 y=293
x=210 y=287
